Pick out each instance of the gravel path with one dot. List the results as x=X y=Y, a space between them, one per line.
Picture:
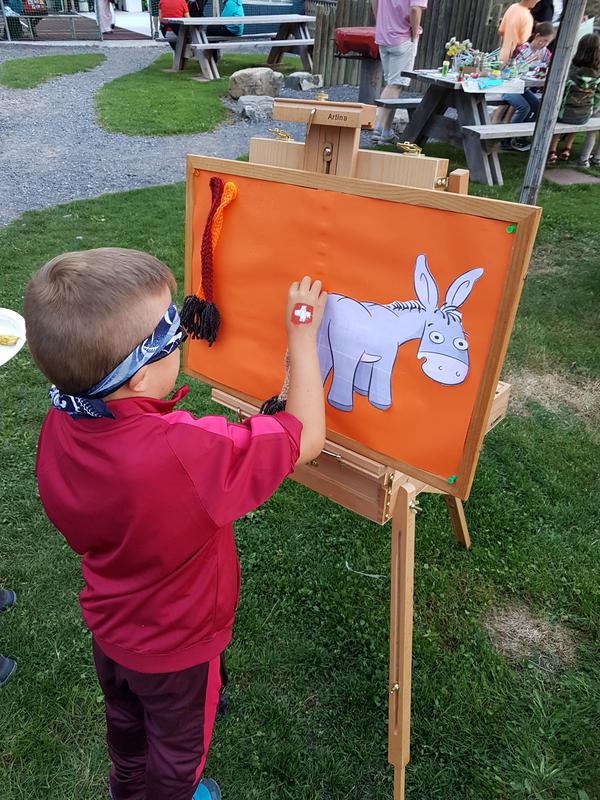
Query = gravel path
x=52 y=150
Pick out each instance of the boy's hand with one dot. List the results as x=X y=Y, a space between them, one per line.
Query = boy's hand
x=305 y=307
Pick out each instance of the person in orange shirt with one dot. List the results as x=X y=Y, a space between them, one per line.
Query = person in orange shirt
x=171 y=9
x=516 y=27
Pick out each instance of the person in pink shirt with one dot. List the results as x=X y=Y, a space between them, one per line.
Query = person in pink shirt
x=146 y=495
x=397 y=31
x=516 y=27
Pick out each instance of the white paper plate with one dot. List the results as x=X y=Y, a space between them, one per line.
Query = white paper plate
x=11 y=324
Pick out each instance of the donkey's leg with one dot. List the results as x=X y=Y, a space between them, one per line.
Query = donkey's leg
x=362 y=378
x=380 y=390
x=325 y=358
x=342 y=384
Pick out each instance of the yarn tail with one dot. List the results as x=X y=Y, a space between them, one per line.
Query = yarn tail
x=273 y=405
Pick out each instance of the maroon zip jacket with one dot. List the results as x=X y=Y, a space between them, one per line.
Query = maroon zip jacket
x=148 y=500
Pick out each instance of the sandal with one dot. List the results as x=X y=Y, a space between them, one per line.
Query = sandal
x=565 y=155
x=595 y=162
x=552 y=158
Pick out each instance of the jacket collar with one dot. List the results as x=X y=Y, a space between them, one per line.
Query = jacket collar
x=130 y=406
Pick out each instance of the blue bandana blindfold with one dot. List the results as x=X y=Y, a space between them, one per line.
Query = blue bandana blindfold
x=164 y=339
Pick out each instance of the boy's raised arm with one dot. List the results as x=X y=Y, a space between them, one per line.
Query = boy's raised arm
x=305 y=306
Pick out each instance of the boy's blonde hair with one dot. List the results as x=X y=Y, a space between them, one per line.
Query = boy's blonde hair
x=86 y=311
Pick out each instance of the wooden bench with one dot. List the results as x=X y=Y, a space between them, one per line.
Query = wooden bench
x=487 y=134
x=411 y=103
x=238 y=41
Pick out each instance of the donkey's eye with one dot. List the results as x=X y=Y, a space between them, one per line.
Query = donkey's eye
x=436 y=337
x=461 y=344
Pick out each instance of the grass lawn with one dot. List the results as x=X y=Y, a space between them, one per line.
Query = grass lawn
x=25 y=73
x=154 y=102
x=309 y=658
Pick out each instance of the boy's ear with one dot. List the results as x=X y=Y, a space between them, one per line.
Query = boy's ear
x=139 y=381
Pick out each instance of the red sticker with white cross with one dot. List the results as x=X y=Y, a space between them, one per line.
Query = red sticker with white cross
x=302 y=314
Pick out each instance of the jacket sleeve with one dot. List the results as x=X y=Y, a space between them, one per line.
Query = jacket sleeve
x=234 y=467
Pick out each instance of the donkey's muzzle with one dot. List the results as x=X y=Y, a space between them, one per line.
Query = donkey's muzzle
x=443 y=369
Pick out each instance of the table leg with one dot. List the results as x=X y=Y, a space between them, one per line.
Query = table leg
x=284 y=31
x=484 y=166
x=435 y=101
x=205 y=58
x=179 y=52
x=306 y=53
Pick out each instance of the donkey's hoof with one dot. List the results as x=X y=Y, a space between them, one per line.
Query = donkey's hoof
x=363 y=392
x=380 y=406
x=339 y=406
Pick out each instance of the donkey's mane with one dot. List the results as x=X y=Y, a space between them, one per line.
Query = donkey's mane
x=448 y=312
x=408 y=305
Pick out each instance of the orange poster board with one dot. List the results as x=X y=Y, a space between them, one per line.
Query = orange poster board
x=428 y=282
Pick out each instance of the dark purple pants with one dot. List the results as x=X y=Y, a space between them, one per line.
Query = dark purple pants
x=158 y=727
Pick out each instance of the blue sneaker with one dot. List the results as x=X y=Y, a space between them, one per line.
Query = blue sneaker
x=7 y=599
x=7 y=670
x=207 y=790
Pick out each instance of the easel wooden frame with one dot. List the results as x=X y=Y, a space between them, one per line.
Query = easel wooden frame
x=348 y=473
x=524 y=217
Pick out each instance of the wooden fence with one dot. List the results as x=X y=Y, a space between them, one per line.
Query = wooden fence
x=477 y=20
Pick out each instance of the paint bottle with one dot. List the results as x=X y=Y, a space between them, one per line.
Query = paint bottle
x=445 y=68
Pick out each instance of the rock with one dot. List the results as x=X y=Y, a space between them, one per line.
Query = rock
x=255 y=81
x=256 y=108
x=303 y=81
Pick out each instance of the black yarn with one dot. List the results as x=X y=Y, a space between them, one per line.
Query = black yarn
x=200 y=319
x=210 y=319
x=191 y=313
x=272 y=406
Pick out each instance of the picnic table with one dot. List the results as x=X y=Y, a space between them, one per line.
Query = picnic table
x=429 y=121
x=284 y=33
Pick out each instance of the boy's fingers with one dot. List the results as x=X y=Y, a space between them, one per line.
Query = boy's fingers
x=294 y=287
x=315 y=289
x=305 y=284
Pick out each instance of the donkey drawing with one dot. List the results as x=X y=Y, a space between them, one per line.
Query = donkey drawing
x=359 y=341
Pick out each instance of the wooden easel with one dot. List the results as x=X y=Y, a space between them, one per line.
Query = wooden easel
x=379 y=493
x=332 y=147
x=369 y=488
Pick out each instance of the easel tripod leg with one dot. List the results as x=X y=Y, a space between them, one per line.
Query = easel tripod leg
x=401 y=624
x=458 y=520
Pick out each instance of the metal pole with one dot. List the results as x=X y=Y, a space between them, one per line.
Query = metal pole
x=5 y=18
x=553 y=93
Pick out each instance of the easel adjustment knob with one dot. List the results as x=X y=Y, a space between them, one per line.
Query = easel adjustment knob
x=395 y=688
x=415 y=506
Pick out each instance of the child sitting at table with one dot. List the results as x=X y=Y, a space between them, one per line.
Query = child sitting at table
x=147 y=493
x=582 y=94
x=533 y=55
x=232 y=8
x=171 y=9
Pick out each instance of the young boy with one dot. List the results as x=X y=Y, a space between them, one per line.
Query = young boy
x=147 y=494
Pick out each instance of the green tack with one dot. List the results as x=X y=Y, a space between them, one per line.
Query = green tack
x=511 y=229
x=452 y=479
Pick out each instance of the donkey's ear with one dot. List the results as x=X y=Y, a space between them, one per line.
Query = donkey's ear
x=425 y=285
x=460 y=289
